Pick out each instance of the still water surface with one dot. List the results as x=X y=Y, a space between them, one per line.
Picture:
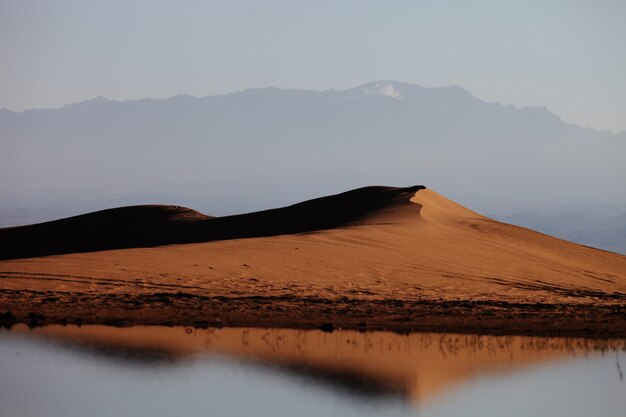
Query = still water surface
x=168 y=371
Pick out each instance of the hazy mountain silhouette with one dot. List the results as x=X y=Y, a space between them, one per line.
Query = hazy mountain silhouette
x=266 y=147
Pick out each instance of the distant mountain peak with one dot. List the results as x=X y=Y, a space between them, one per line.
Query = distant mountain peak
x=91 y=102
x=99 y=99
x=400 y=90
x=390 y=89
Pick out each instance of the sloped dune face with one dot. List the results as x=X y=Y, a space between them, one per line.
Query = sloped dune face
x=480 y=256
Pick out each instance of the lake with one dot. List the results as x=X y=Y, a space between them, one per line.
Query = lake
x=167 y=371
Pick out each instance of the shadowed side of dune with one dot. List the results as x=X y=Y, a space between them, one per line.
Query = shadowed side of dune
x=154 y=225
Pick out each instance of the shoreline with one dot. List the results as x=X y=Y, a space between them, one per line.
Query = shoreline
x=498 y=318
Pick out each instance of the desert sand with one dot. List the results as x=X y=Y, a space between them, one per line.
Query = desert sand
x=402 y=259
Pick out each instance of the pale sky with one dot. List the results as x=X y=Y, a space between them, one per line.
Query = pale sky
x=569 y=56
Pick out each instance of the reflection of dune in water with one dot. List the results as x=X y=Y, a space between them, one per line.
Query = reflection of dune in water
x=420 y=365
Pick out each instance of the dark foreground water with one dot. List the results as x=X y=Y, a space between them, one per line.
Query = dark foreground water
x=176 y=371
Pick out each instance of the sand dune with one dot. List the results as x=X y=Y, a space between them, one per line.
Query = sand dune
x=154 y=225
x=388 y=258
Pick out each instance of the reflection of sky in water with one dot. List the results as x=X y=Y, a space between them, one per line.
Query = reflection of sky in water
x=575 y=387
x=44 y=379
x=48 y=381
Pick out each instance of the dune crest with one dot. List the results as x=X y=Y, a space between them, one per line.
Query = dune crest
x=157 y=225
x=436 y=207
